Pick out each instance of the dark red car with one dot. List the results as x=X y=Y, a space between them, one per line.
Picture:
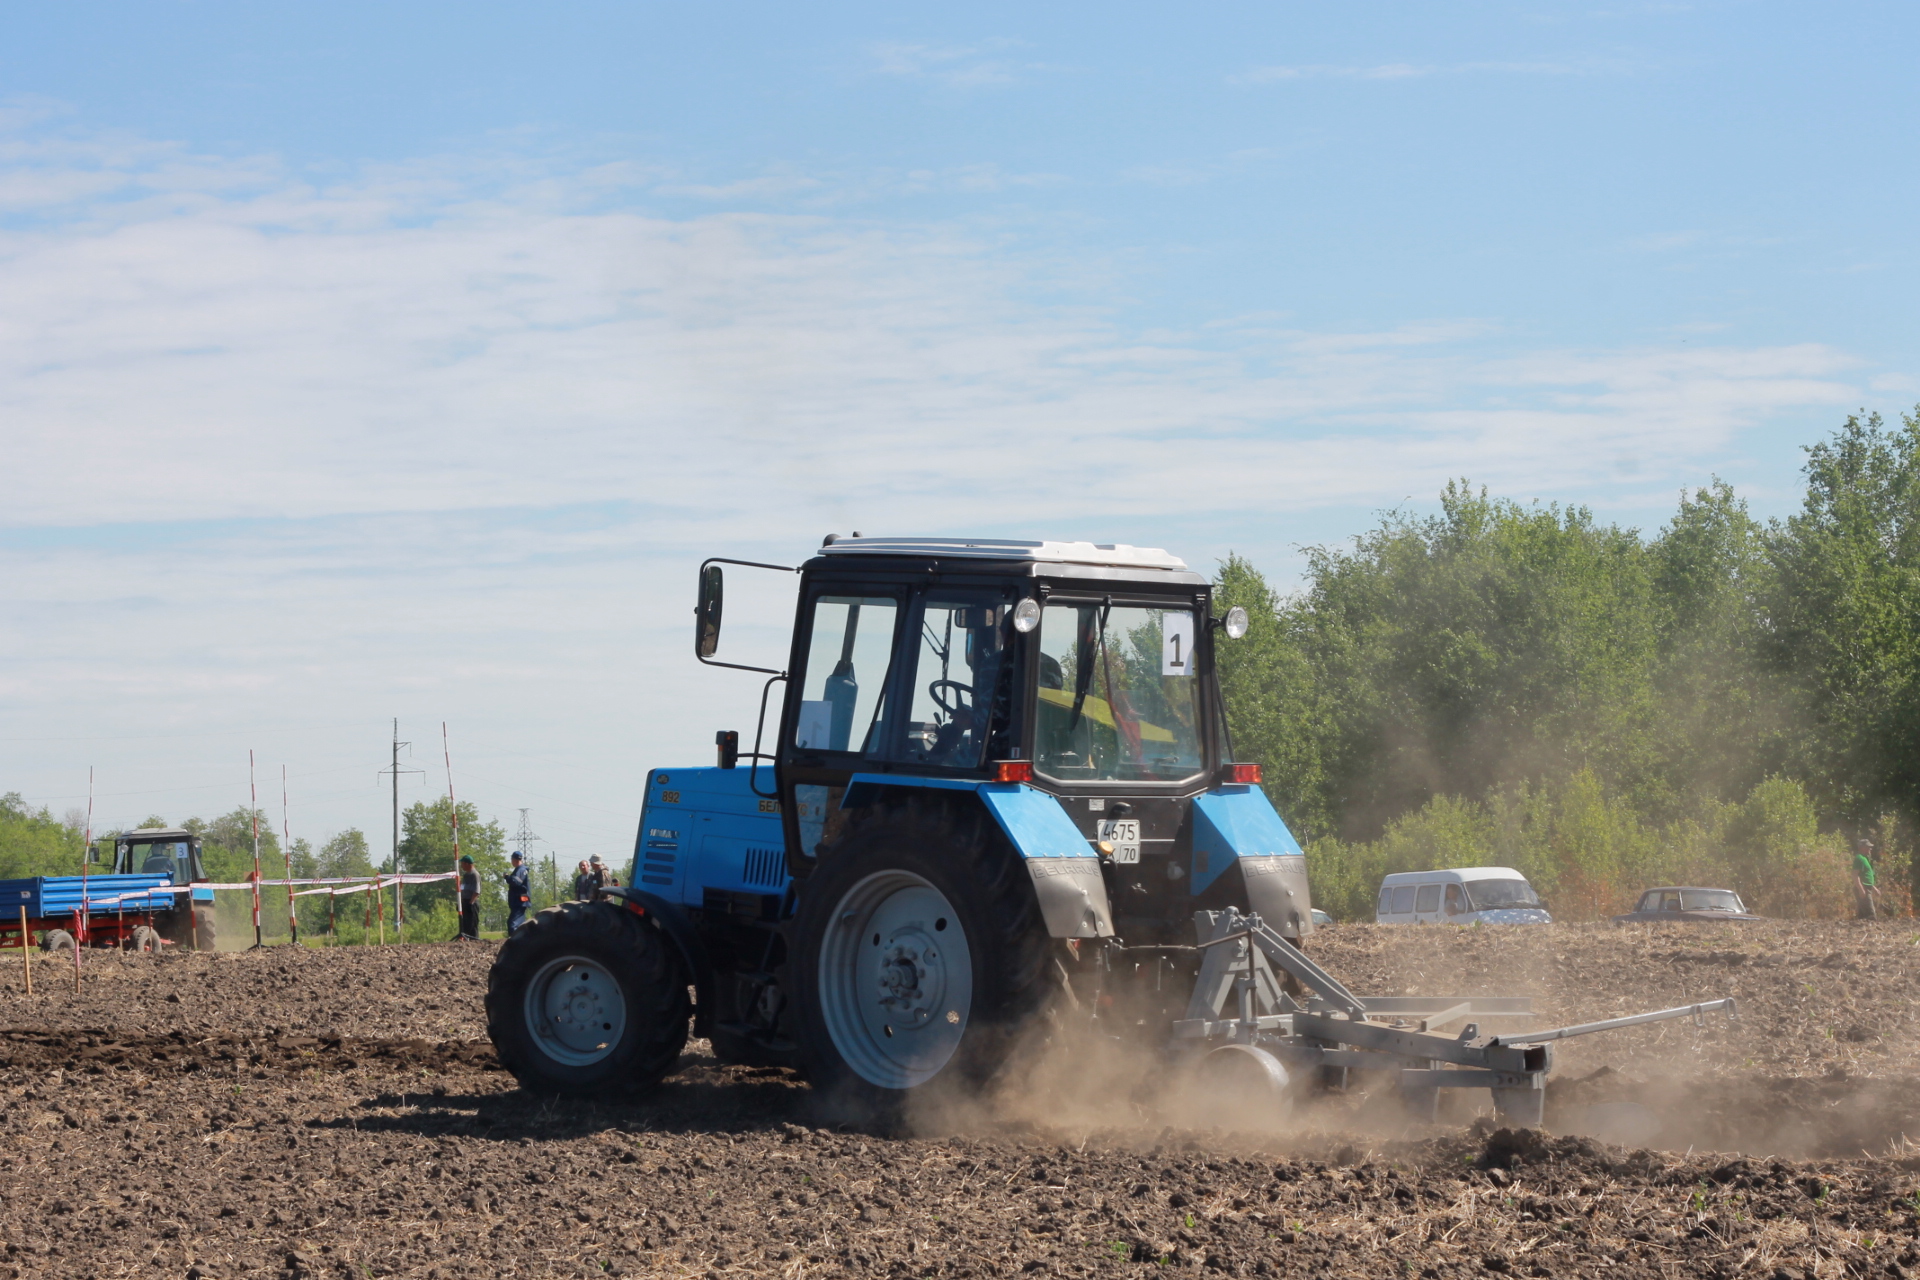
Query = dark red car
x=1682 y=904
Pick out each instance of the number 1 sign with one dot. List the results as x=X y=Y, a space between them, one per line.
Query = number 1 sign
x=1176 y=644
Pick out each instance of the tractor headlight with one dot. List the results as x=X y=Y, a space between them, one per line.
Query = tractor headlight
x=1026 y=615
x=1236 y=624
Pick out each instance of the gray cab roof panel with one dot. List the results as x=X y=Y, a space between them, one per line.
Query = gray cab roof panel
x=1108 y=561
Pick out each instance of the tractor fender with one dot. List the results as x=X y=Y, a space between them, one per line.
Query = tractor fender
x=1064 y=868
x=671 y=920
x=1236 y=828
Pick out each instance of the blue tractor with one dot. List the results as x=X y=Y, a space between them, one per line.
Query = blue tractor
x=1001 y=775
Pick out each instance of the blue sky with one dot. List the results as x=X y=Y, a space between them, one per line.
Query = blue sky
x=365 y=360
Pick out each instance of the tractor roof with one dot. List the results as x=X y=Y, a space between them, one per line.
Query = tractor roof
x=1108 y=555
x=153 y=835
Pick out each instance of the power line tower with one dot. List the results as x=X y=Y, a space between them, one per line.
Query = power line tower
x=523 y=841
x=396 y=771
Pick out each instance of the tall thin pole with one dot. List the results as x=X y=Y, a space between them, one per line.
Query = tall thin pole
x=446 y=752
x=286 y=856
x=396 y=811
x=253 y=792
x=399 y=902
x=86 y=856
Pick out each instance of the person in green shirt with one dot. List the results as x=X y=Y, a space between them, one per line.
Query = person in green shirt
x=1866 y=892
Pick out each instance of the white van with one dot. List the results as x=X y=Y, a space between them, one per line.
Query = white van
x=1463 y=895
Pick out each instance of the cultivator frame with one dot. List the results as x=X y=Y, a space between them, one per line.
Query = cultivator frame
x=1242 y=1015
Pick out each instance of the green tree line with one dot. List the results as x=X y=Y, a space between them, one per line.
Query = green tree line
x=1727 y=701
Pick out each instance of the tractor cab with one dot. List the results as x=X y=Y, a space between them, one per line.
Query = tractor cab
x=1077 y=674
x=154 y=850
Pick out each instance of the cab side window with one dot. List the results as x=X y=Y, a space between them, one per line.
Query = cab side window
x=849 y=657
x=958 y=692
x=1428 y=900
x=1456 y=902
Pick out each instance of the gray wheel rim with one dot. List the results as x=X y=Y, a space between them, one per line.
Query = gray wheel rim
x=896 y=979
x=576 y=1011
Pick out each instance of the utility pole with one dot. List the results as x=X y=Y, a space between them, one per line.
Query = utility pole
x=396 y=771
x=523 y=840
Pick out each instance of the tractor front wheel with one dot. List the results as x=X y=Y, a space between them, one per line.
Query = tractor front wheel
x=919 y=954
x=589 y=998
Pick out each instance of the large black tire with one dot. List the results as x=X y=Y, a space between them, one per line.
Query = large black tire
x=192 y=931
x=206 y=937
x=886 y=1006
x=588 y=998
x=143 y=939
x=57 y=940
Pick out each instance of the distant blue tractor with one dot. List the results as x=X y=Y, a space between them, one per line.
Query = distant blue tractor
x=1001 y=774
x=123 y=908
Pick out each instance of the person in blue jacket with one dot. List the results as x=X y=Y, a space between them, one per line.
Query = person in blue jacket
x=469 y=900
x=519 y=894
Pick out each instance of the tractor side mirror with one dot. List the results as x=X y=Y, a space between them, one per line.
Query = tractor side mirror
x=706 y=634
x=93 y=854
x=728 y=743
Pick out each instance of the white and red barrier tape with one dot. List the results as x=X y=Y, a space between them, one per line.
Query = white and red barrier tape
x=356 y=885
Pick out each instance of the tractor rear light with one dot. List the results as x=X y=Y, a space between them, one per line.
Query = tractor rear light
x=1244 y=775
x=634 y=907
x=1013 y=771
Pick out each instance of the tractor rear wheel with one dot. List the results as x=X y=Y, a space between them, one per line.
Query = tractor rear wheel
x=919 y=955
x=588 y=997
x=190 y=931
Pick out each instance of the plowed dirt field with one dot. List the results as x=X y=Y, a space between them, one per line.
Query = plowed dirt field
x=339 y=1113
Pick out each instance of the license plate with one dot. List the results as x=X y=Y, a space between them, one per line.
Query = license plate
x=1124 y=835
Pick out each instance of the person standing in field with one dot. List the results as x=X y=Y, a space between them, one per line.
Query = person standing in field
x=583 y=883
x=1866 y=890
x=519 y=894
x=469 y=900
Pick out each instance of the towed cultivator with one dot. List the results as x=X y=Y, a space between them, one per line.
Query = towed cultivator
x=1255 y=1039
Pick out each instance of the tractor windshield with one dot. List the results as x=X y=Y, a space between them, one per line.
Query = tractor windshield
x=1118 y=699
x=162 y=857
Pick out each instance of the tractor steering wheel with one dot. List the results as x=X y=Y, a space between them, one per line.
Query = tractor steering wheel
x=961 y=693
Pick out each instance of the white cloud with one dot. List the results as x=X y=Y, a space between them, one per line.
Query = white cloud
x=446 y=439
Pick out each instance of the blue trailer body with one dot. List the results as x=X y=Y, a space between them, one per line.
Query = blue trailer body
x=50 y=897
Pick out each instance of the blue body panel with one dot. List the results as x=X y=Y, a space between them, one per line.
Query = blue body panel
x=1235 y=822
x=52 y=896
x=1033 y=820
x=703 y=829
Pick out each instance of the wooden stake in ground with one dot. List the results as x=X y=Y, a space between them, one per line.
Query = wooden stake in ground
x=453 y=806
x=80 y=917
x=286 y=857
x=254 y=793
x=26 y=952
